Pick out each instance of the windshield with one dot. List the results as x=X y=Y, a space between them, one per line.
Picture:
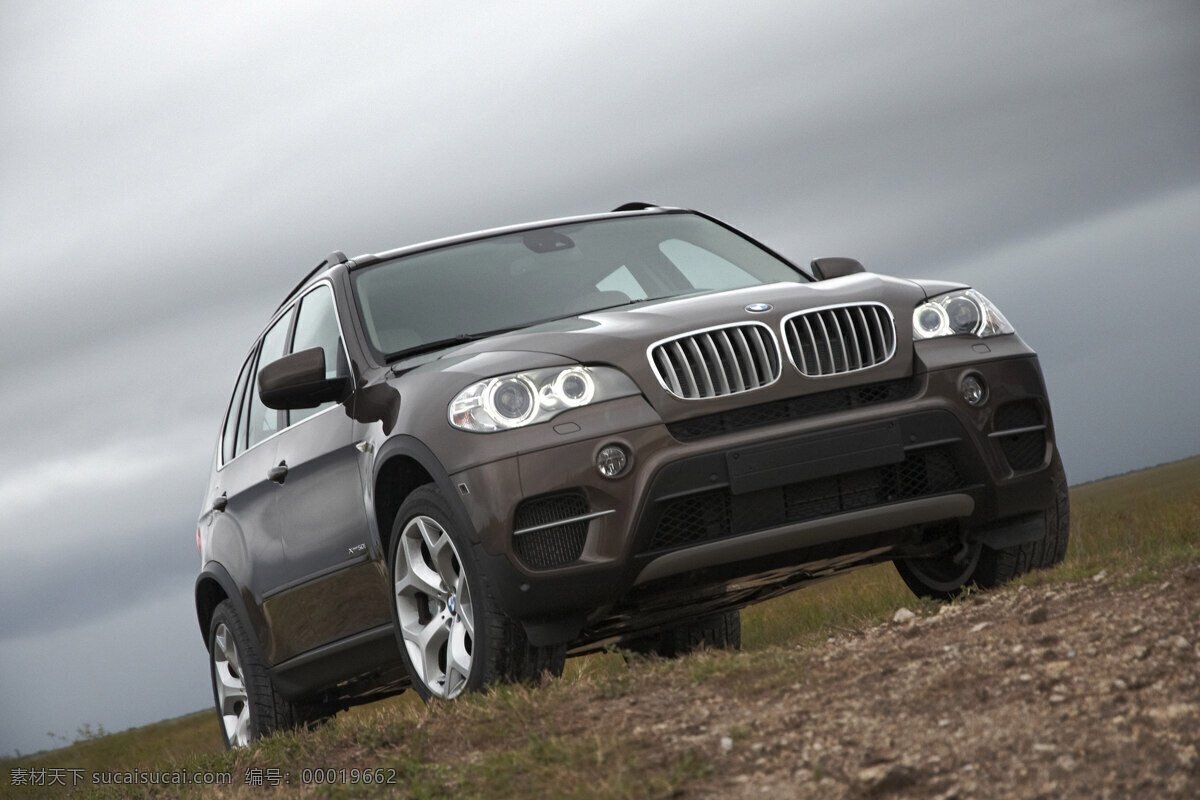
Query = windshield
x=513 y=280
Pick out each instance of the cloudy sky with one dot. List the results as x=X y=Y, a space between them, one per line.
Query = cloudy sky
x=168 y=171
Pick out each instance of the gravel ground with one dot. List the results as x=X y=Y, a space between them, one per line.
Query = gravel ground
x=1087 y=689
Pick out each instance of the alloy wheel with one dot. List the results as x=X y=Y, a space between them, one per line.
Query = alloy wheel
x=232 y=701
x=433 y=603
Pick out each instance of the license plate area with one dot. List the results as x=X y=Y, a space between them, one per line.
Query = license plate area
x=813 y=456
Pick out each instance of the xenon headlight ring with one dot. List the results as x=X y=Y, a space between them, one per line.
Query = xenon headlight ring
x=963 y=312
x=534 y=396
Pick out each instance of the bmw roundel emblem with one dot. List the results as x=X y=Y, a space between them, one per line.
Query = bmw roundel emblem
x=758 y=308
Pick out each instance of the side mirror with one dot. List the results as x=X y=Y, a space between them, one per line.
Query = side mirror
x=826 y=268
x=298 y=381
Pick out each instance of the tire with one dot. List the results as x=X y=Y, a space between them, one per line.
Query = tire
x=945 y=576
x=453 y=637
x=719 y=631
x=248 y=705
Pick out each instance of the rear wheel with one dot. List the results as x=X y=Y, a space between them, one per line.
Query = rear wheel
x=248 y=704
x=453 y=637
x=945 y=575
x=721 y=631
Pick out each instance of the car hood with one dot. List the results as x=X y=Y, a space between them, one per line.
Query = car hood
x=622 y=337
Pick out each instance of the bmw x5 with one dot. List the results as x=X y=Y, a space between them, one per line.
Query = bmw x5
x=463 y=461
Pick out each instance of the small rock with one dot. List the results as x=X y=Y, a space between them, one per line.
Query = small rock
x=1119 y=685
x=887 y=778
x=980 y=626
x=1180 y=643
x=1037 y=616
x=1174 y=711
x=1139 y=652
x=946 y=611
x=903 y=615
x=726 y=744
x=1038 y=747
x=1188 y=757
x=1056 y=669
x=1099 y=576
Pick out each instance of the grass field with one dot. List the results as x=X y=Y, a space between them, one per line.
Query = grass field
x=1133 y=526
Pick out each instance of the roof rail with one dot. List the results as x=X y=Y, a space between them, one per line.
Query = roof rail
x=336 y=257
x=635 y=206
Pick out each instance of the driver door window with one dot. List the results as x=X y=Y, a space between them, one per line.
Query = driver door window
x=317 y=326
x=265 y=421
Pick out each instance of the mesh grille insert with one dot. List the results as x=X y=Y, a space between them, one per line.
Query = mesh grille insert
x=557 y=545
x=794 y=408
x=1022 y=450
x=717 y=514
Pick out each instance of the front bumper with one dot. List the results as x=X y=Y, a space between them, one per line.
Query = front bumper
x=757 y=499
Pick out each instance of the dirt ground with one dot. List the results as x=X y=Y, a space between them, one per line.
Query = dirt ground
x=1087 y=689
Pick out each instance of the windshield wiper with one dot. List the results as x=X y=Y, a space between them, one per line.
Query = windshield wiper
x=441 y=344
x=464 y=338
x=641 y=300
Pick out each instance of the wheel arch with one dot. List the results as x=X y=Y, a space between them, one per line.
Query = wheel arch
x=402 y=465
x=214 y=585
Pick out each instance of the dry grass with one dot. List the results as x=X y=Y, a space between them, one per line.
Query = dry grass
x=514 y=742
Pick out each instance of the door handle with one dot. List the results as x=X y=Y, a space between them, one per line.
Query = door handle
x=219 y=503
x=278 y=474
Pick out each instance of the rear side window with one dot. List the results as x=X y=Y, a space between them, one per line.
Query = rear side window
x=229 y=439
x=317 y=326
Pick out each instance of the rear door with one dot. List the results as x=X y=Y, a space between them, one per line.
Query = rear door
x=244 y=535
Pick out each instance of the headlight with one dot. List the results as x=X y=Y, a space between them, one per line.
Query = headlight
x=527 y=398
x=965 y=311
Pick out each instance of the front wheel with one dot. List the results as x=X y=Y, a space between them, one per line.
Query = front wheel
x=453 y=638
x=944 y=576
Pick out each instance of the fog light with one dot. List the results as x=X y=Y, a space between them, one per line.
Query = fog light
x=973 y=389
x=612 y=460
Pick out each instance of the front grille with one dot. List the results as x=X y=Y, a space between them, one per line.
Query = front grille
x=1025 y=448
x=718 y=514
x=557 y=545
x=834 y=341
x=811 y=405
x=718 y=361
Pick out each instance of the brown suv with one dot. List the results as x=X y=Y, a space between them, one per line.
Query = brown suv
x=462 y=461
